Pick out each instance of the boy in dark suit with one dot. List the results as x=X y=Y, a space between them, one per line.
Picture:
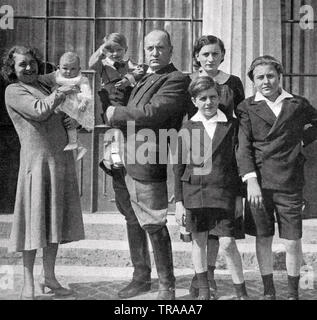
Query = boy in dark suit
x=271 y=162
x=118 y=77
x=207 y=186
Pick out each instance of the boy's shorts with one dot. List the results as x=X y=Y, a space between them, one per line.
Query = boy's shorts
x=217 y=222
x=288 y=210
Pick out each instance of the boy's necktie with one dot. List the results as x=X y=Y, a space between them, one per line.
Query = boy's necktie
x=119 y=65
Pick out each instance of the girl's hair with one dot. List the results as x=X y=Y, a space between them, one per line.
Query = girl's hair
x=201 y=84
x=265 y=60
x=204 y=41
x=113 y=39
x=8 y=62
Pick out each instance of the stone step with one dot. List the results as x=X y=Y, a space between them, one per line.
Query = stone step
x=112 y=226
x=115 y=253
x=106 y=245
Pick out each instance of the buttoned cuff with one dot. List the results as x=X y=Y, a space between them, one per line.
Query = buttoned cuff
x=248 y=176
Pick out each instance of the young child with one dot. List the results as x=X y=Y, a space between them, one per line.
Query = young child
x=78 y=106
x=118 y=76
x=207 y=186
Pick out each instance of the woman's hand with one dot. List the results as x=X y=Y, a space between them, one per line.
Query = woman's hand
x=180 y=213
x=70 y=123
x=66 y=89
x=254 y=193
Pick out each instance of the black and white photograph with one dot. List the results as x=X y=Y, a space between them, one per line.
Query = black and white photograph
x=160 y=154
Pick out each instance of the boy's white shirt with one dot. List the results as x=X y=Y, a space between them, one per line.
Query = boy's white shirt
x=210 y=124
x=276 y=108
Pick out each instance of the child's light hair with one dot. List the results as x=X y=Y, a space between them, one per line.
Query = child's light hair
x=70 y=57
x=113 y=39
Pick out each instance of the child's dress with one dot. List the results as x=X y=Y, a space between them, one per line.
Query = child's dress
x=78 y=106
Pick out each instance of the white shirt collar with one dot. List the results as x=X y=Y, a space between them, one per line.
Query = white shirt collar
x=149 y=70
x=259 y=97
x=218 y=117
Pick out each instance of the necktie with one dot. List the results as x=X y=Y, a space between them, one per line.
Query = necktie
x=119 y=65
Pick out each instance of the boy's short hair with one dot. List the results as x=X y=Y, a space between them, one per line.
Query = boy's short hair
x=115 y=39
x=201 y=84
x=70 y=56
x=265 y=60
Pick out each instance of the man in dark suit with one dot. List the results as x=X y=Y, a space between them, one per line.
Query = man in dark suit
x=272 y=128
x=158 y=101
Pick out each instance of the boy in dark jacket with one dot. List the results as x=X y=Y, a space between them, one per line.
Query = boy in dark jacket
x=207 y=186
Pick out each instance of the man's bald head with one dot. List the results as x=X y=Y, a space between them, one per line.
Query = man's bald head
x=159 y=33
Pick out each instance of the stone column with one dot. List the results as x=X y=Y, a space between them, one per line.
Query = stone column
x=248 y=28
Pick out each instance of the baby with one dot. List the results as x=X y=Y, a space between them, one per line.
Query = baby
x=78 y=106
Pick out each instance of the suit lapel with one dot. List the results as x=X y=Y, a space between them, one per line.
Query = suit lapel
x=210 y=147
x=143 y=86
x=221 y=131
x=200 y=137
x=261 y=109
x=145 y=83
x=288 y=108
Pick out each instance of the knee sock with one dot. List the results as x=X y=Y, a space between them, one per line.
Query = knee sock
x=268 y=283
x=211 y=272
x=202 y=280
x=293 y=286
x=241 y=290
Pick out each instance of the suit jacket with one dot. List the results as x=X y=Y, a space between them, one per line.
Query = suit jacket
x=158 y=101
x=208 y=177
x=109 y=94
x=272 y=147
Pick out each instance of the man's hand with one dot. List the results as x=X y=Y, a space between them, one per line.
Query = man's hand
x=180 y=213
x=254 y=193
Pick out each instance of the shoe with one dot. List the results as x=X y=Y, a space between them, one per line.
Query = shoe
x=57 y=290
x=166 y=294
x=134 y=288
x=204 y=294
x=244 y=297
x=268 y=297
x=292 y=298
x=194 y=290
x=26 y=297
